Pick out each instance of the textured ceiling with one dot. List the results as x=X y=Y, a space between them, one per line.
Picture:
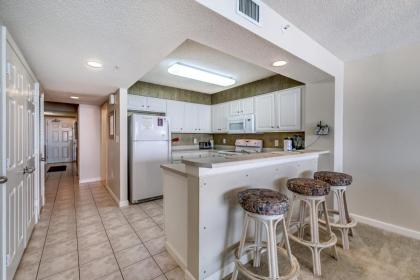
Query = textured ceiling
x=57 y=37
x=352 y=29
x=194 y=54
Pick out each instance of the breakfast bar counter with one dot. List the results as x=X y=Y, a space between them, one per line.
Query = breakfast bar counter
x=203 y=220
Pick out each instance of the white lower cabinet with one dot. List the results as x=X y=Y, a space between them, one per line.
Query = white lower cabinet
x=278 y=111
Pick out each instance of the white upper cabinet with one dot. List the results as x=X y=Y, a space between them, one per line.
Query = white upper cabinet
x=149 y=104
x=242 y=106
x=220 y=113
x=264 y=112
x=288 y=105
x=204 y=118
x=247 y=105
x=175 y=113
x=187 y=117
x=279 y=111
x=136 y=102
x=191 y=122
x=156 y=105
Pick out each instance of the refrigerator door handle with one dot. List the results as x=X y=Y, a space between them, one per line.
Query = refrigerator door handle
x=169 y=142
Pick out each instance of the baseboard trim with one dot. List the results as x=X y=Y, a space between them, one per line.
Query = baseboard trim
x=90 y=180
x=388 y=227
x=120 y=203
x=178 y=259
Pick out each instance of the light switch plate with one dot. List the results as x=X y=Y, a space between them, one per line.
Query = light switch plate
x=195 y=141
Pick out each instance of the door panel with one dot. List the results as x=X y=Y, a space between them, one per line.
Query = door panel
x=264 y=112
x=59 y=140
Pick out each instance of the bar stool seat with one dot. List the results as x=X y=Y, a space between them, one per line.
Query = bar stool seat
x=334 y=178
x=266 y=209
x=263 y=202
x=309 y=187
x=339 y=183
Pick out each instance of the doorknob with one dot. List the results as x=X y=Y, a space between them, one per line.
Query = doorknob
x=28 y=170
x=43 y=159
x=3 y=179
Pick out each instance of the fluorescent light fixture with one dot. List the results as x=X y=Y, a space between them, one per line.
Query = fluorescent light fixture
x=95 y=64
x=74 y=97
x=194 y=73
x=279 y=63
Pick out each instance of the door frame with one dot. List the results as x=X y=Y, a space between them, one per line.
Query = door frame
x=3 y=151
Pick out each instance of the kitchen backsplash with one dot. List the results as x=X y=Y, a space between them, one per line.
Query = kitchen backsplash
x=268 y=138
x=188 y=138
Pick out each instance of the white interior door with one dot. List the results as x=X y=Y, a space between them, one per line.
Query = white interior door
x=60 y=140
x=41 y=152
x=20 y=157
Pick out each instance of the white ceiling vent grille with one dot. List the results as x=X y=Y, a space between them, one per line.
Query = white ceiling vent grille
x=250 y=9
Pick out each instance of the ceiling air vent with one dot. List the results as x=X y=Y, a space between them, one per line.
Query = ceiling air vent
x=250 y=9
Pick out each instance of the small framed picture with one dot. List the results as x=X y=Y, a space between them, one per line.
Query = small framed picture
x=111 y=120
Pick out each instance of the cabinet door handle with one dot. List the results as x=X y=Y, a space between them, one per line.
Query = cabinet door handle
x=3 y=179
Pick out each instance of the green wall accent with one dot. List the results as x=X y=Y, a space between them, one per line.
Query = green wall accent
x=267 y=137
x=165 y=92
x=270 y=84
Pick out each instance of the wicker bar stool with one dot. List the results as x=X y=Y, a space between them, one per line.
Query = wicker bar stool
x=267 y=208
x=311 y=193
x=339 y=183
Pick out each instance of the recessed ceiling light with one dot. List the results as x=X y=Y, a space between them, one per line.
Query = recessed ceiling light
x=74 y=97
x=95 y=64
x=198 y=74
x=279 y=63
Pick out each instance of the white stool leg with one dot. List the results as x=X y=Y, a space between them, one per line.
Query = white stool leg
x=327 y=222
x=347 y=213
x=287 y=242
x=272 y=250
x=301 y=219
x=316 y=252
x=343 y=219
x=241 y=245
x=258 y=233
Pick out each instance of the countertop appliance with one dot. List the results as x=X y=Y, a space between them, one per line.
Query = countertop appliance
x=245 y=146
x=149 y=147
x=205 y=145
x=241 y=124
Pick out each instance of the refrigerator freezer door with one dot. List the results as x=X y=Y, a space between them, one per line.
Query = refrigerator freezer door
x=148 y=127
x=145 y=176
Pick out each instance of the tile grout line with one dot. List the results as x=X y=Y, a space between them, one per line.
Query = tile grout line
x=106 y=233
x=75 y=216
x=148 y=240
x=48 y=228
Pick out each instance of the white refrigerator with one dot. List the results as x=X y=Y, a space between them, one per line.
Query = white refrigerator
x=149 y=147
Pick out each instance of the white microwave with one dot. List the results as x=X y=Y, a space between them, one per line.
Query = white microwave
x=241 y=124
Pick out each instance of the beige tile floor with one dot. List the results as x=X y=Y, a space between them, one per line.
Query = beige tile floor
x=82 y=234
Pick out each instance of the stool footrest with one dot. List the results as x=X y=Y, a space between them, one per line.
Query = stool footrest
x=291 y=275
x=350 y=224
x=326 y=244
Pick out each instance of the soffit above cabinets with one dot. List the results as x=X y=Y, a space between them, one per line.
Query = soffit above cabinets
x=203 y=57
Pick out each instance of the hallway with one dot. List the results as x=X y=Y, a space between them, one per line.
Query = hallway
x=82 y=234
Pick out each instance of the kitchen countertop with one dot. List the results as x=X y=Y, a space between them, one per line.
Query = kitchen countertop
x=229 y=160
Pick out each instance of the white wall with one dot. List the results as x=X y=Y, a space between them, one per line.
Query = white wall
x=89 y=118
x=318 y=105
x=117 y=172
x=382 y=138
